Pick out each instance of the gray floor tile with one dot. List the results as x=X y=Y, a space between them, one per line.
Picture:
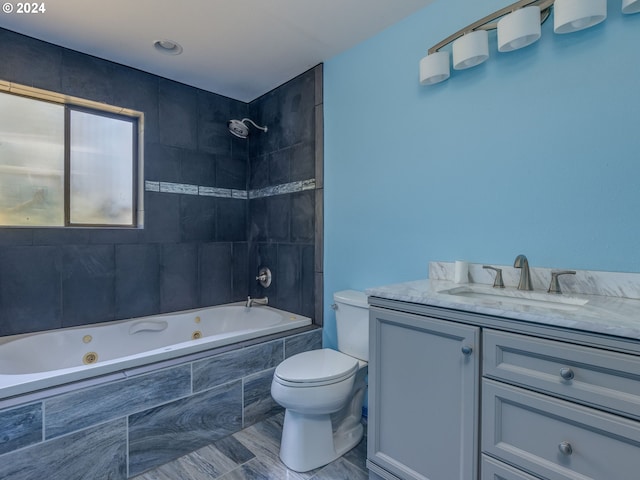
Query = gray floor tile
x=341 y=469
x=253 y=454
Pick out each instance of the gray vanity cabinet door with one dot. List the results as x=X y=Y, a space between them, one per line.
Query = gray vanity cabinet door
x=423 y=397
x=556 y=439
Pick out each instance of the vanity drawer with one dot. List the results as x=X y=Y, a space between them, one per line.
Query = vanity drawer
x=555 y=439
x=608 y=380
x=492 y=469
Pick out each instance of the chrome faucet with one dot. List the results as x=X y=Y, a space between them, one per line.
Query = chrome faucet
x=525 y=278
x=257 y=301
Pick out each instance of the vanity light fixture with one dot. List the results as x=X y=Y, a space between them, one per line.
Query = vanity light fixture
x=518 y=26
x=630 y=6
x=519 y=29
x=471 y=49
x=434 y=68
x=573 y=15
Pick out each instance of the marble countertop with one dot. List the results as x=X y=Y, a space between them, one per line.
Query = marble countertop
x=608 y=315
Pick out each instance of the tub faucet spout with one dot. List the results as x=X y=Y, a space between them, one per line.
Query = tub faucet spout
x=525 y=278
x=256 y=301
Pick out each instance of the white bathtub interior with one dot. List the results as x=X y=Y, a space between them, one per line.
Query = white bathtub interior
x=30 y=362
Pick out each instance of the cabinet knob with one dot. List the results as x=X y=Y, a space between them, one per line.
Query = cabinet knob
x=565 y=448
x=466 y=350
x=566 y=373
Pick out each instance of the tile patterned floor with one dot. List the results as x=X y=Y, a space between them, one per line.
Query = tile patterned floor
x=252 y=454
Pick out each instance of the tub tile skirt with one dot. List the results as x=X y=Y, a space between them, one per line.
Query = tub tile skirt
x=97 y=452
x=125 y=427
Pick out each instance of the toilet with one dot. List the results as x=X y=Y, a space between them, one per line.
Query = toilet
x=322 y=391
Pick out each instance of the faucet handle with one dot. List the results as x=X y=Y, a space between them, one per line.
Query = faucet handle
x=497 y=283
x=554 y=286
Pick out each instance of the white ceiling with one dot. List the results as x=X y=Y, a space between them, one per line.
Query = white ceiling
x=237 y=48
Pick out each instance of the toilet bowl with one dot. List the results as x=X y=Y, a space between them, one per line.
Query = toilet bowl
x=322 y=392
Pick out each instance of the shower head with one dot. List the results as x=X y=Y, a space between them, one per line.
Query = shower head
x=240 y=129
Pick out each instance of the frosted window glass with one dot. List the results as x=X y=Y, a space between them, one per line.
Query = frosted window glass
x=31 y=162
x=101 y=172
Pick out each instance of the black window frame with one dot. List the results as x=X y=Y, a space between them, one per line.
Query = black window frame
x=67 y=166
x=67 y=103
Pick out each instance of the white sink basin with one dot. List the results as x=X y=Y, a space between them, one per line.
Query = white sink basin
x=516 y=297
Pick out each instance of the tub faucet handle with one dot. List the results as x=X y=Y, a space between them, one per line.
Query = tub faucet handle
x=554 y=286
x=264 y=277
x=497 y=283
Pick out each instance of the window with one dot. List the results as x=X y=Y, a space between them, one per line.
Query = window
x=63 y=164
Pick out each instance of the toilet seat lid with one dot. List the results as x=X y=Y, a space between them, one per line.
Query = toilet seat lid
x=317 y=366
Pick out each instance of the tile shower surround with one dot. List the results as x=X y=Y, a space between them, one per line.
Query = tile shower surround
x=194 y=250
x=122 y=428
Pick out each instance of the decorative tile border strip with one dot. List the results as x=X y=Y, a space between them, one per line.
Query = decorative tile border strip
x=186 y=189
x=292 y=187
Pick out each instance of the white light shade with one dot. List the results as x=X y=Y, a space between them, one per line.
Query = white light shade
x=519 y=29
x=434 y=68
x=471 y=49
x=630 y=6
x=573 y=15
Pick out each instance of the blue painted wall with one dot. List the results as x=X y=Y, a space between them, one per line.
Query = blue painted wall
x=536 y=151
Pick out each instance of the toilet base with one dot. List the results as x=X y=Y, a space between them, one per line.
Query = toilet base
x=308 y=441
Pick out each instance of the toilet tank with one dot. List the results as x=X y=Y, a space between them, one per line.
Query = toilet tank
x=352 y=323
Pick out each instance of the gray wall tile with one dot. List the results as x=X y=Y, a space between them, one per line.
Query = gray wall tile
x=231 y=220
x=214 y=111
x=216 y=272
x=288 y=275
x=30 y=62
x=30 y=286
x=16 y=236
x=98 y=452
x=231 y=170
x=236 y=364
x=137 y=280
x=78 y=410
x=307 y=281
x=198 y=218
x=179 y=277
x=303 y=161
x=85 y=76
x=88 y=284
x=279 y=218
x=241 y=274
x=198 y=168
x=61 y=236
x=303 y=342
x=161 y=218
x=287 y=153
x=164 y=433
x=20 y=427
x=303 y=216
x=258 y=403
x=177 y=113
x=163 y=163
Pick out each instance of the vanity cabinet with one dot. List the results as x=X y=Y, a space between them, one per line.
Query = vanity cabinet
x=459 y=395
x=423 y=397
x=560 y=411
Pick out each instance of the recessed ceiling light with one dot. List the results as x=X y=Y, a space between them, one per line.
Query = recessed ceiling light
x=168 y=47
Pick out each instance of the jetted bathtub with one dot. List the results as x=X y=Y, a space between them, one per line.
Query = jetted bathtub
x=34 y=361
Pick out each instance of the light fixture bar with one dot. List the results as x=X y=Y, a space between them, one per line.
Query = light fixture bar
x=488 y=22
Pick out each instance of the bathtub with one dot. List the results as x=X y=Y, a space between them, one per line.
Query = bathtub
x=34 y=361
